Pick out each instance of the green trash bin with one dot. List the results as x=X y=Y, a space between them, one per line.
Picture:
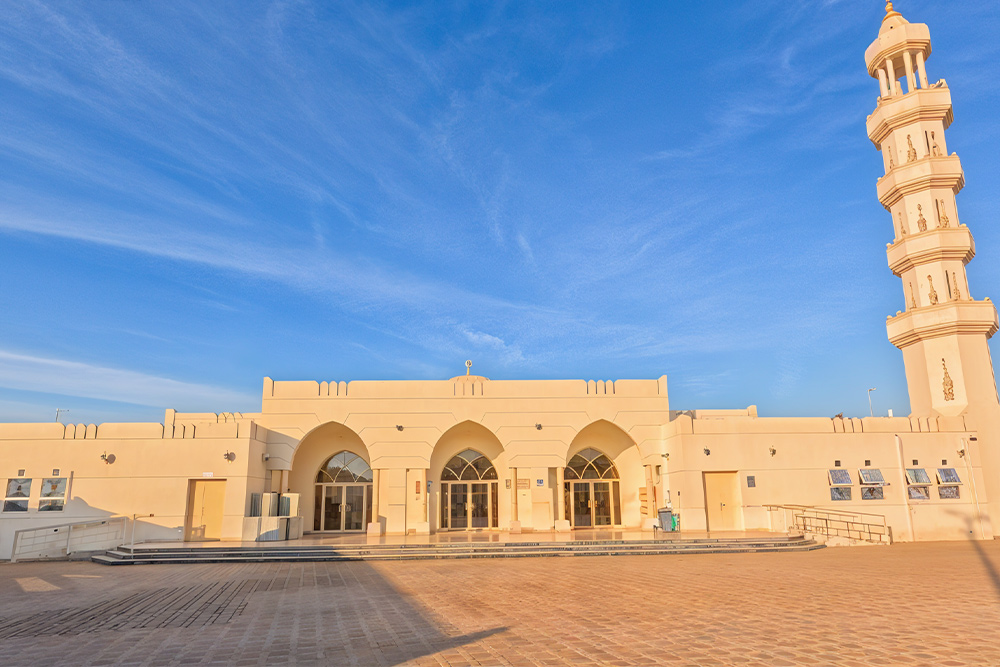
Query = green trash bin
x=667 y=519
x=675 y=523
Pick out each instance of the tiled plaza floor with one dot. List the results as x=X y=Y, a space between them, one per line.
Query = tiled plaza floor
x=923 y=604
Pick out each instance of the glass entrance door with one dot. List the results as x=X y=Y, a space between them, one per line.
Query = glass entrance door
x=459 y=507
x=333 y=509
x=354 y=507
x=342 y=507
x=581 y=505
x=602 y=504
x=479 y=510
x=593 y=504
x=469 y=506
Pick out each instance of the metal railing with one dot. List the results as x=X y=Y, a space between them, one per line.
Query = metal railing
x=61 y=540
x=861 y=526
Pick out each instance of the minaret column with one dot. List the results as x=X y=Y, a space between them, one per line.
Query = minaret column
x=883 y=82
x=893 y=84
x=922 y=70
x=911 y=81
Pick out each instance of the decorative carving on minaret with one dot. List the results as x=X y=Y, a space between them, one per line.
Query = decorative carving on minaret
x=933 y=295
x=935 y=149
x=954 y=287
x=921 y=220
x=942 y=216
x=947 y=384
x=891 y=165
x=913 y=299
x=911 y=152
x=902 y=227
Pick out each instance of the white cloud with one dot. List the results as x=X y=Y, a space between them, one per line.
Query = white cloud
x=508 y=353
x=73 y=378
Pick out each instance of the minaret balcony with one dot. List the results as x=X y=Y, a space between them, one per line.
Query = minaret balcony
x=953 y=318
x=897 y=111
x=934 y=245
x=943 y=172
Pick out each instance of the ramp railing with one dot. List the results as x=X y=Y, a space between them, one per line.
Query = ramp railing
x=61 y=540
x=861 y=526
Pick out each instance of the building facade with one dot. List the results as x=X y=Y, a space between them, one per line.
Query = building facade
x=470 y=454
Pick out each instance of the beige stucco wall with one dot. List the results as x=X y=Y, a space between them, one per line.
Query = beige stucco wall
x=150 y=473
x=303 y=423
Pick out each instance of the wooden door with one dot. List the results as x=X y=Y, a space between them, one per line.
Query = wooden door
x=206 y=498
x=722 y=501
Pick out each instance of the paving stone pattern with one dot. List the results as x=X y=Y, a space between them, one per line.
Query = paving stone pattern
x=911 y=604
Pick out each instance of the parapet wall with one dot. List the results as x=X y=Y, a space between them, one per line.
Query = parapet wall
x=464 y=386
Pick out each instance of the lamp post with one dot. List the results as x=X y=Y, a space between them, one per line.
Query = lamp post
x=870 y=411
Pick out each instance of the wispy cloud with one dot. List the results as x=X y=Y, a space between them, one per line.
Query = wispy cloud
x=73 y=378
x=550 y=189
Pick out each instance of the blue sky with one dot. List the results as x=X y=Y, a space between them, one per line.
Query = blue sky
x=196 y=195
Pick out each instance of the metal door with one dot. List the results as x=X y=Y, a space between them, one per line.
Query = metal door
x=722 y=500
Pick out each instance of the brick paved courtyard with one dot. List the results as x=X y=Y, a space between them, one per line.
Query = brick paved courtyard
x=923 y=604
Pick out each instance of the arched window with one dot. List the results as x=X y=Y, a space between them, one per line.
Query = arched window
x=344 y=467
x=591 y=464
x=469 y=465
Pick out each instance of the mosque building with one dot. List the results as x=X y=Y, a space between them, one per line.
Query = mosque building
x=471 y=454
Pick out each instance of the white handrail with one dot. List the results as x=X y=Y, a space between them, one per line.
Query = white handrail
x=818 y=520
x=32 y=538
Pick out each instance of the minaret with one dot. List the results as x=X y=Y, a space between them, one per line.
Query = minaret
x=943 y=330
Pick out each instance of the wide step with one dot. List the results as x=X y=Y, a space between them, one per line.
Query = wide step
x=389 y=552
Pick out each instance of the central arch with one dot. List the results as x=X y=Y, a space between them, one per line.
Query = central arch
x=465 y=470
x=470 y=492
x=343 y=494
x=592 y=490
x=601 y=479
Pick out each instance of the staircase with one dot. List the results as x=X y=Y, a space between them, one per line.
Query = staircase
x=126 y=555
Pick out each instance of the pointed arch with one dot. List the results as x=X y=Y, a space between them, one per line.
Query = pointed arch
x=465 y=475
x=331 y=453
x=604 y=436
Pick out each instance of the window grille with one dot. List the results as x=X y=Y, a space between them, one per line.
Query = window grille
x=917 y=476
x=469 y=465
x=590 y=464
x=871 y=476
x=872 y=493
x=840 y=493
x=344 y=468
x=948 y=476
x=840 y=477
x=18 y=492
x=948 y=493
x=919 y=492
x=53 y=495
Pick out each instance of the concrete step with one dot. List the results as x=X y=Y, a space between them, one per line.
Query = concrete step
x=127 y=556
x=271 y=547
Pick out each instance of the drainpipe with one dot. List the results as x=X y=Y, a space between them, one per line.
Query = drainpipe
x=906 y=492
x=972 y=479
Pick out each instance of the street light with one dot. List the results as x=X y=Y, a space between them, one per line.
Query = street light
x=870 y=411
